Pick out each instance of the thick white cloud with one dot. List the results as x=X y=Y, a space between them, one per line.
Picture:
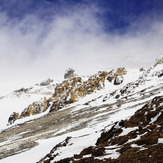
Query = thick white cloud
x=32 y=50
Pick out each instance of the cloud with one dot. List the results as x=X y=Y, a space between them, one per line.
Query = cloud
x=33 y=49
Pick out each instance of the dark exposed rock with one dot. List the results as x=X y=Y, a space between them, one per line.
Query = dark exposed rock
x=46 y=82
x=22 y=90
x=109 y=78
x=117 y=96
x=69 y=73
x=151 y=155
x=105 y=136
x=119 y=72
x=98 y=151
x=13 y=117
x=52 y=153
x=118 y=80
x=85 y=151
x=139 y=145
x=141 y=69
x=160 y=75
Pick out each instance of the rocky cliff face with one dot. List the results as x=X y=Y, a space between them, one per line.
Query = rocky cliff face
x=69 y=91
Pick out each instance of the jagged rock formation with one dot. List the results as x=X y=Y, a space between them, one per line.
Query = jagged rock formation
x=35 y=108
x=138 y=139
x=71 y=89
x=69 y=73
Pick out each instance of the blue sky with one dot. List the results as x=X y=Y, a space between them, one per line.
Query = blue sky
x=116 y=15
x=42 y=38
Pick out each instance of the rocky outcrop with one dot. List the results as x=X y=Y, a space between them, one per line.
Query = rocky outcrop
x=22 y=90
x=35 y=108
x=69 y=73
x=141 y=69
x=74 y=88
x=13 y=117
x=138 y=139
x=119 y=72
x=160 y=75
x=71 y=89
x=158 y=61
x=46 y=82
x=32 y=109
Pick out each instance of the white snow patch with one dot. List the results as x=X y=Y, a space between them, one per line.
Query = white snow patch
x=131 y=140
x=160 y=140
x=110 y=152
x=155 y=118
x=128 y=130
x=134 y=145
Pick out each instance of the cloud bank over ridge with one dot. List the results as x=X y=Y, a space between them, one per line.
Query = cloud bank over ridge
x=32 y=49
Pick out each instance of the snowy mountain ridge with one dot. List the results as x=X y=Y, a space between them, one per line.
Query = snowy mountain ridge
x=90 y=128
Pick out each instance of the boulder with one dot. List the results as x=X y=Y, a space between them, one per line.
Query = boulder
x=141 y=69
x=118 y=80
x=160 y=75
x=13 y=117
x=109 y=78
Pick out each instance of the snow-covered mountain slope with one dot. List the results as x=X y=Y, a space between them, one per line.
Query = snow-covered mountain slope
x=20 y=99
x=138 y=138
x=73 y=131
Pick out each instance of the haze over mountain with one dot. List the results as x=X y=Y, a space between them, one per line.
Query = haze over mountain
x=81 y=81
x=40 y=39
